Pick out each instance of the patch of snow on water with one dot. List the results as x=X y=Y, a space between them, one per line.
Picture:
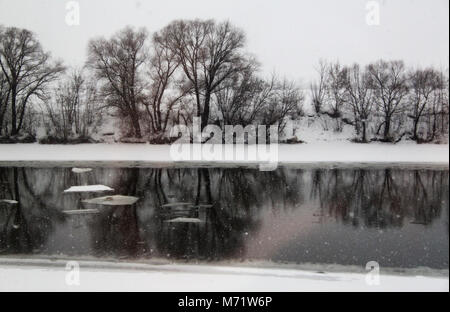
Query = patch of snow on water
x=184 y=220
x=81 y=170
x=9 y=201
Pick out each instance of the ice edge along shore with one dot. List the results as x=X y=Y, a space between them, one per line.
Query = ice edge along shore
x=96 y=276
x=310 y=153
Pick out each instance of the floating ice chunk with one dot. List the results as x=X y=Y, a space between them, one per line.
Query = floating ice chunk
x=184 y=220
x=81 y=211
x=88 y=188
x=9 y=201
x=81 y=170
x=114 y=200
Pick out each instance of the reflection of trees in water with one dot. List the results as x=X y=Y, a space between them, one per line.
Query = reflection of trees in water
x=240 y=199
x=385 y=205
x=15 y=234
x=116 y=231
x=30 y=225
x=161 y=186
x=380 y=198
x=236 y=195
x=232 y=195
x=281 y=189
x=430 y=192
x=26 y=225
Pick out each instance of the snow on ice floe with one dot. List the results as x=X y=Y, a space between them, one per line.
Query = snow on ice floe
x=114 y=200
x=81 y=211
x=9 y=201
x=184 y=220
x=88 y=188
x=81 y=170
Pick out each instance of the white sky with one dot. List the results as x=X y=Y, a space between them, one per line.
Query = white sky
x=287 y=36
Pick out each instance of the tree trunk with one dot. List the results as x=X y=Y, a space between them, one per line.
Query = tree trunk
x=1 y=122
x=416 y=122
x=387 y=127
x=3 y=112
x=13 y=111
x=205 y=115
x=364 y=139
x=434 y=126
x=136 y=125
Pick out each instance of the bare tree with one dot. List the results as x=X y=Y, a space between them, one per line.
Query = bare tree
x=4 y=99
x=118 y=63
x=423 y=85
x=438 y=112
x=165 y=91
x=72 y=111
x=319 y=88
x=287 y=101
x=249 y=99
x=336 y=88
x=241 y=101
x=360 y=98
x=209 y=54
x=335 y=93
x=389 y=81
x=27 y=70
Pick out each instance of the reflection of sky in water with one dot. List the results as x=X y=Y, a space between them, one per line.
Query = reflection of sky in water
x=304 y=241
x=343 y=216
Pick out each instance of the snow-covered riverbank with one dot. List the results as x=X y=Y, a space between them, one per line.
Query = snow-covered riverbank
x=51 y=275
x=311 y=153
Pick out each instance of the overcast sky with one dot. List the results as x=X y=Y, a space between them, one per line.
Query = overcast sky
x=287 y=36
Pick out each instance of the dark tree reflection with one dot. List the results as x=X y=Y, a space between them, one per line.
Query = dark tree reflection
x=228 y=206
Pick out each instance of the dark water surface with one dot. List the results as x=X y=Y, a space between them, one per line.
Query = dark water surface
x=398 y=217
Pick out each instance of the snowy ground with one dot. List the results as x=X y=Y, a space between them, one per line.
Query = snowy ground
x=323 y=146
x=343 y=152
x=52 y=275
